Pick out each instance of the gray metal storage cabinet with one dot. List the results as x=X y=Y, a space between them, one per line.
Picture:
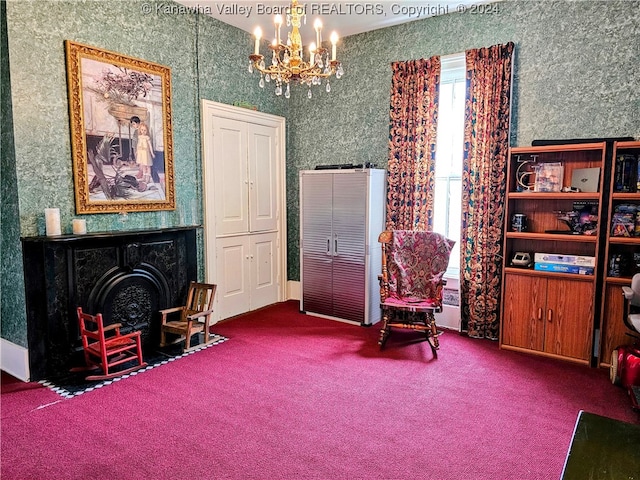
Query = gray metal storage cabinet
x=342 y=212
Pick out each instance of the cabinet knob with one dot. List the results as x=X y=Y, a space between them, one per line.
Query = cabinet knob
x=540 y=313
x=549 y=315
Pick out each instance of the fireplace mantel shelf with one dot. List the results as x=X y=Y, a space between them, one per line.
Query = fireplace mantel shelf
x=107 y=234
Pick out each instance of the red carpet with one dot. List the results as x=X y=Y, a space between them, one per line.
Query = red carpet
x=298 y=397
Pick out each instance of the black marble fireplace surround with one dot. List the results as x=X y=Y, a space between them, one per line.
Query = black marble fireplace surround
x=126 y=276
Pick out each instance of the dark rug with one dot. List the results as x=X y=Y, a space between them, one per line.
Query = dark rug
x=73 y=384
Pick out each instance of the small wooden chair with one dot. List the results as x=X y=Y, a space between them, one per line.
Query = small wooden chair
x=411 y=283
x=105 y=347
x=199 y=306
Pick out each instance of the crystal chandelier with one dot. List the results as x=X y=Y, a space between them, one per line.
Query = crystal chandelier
x=288 y=63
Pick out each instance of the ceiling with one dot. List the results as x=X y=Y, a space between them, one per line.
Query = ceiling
x=345 y=17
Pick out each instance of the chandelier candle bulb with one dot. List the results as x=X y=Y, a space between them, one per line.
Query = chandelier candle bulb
x=278 y=21
x=334 y=40
x=318 y=26
x=52 y=221
x=258 y=34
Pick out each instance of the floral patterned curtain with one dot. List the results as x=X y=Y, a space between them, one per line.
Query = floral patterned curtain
x=412 y=144
x=486 y=142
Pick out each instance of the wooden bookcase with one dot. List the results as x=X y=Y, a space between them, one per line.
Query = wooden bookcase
x=612 y=328
x=547 y=313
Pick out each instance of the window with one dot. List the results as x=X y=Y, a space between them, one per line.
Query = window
x=449 y=147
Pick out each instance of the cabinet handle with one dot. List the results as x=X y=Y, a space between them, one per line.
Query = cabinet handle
x=328 y=246
x=335 y=251
x=540 y=313
x=549 y=314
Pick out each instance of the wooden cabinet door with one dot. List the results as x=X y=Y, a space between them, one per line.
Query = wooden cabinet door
x=523 y=322
x=568 y=318
x=614 y=331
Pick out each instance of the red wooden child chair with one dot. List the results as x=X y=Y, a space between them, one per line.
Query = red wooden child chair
x=105 y=347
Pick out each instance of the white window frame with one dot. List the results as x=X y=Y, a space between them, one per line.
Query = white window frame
x=452 y=70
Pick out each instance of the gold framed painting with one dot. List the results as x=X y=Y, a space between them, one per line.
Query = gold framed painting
x=121 y=135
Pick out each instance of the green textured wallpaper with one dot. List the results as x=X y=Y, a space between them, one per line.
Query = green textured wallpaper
x=11 y=284
x=208 y=59
x=576 y=75
x=37 y=30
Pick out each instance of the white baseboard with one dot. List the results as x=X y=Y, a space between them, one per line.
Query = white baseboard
x=14 y=360
x=293 y=290
x=449 y=317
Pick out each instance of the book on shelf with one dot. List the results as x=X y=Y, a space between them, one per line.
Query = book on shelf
x=625 y=221
x=580 y=260
x=627 y=173
x=563 y=268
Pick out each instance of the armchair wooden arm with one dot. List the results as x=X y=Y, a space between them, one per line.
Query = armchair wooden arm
x=166 y=311
x=384 y=239
x=195 y=315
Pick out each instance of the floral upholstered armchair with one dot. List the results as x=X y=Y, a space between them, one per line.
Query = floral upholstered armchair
x=411 y=283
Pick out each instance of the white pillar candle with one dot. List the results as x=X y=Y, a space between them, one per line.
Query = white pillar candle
x=52 y=219
x=79 y=226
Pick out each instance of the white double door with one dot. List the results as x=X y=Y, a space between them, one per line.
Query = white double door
x=244 y=166
x=245 y=184
x=248 y=276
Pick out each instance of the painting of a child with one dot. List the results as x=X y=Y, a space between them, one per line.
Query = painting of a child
x=144 y=152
